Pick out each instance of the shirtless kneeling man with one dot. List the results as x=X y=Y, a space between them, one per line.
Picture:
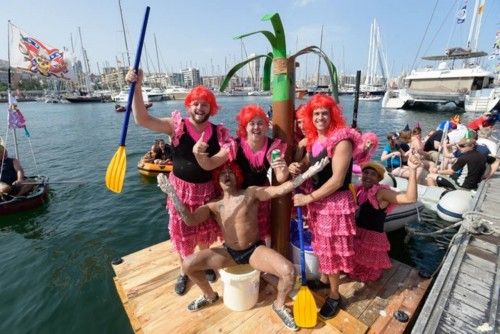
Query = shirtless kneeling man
x=236 y=213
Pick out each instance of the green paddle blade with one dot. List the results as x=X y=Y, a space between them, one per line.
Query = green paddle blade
x=305 y=312
x=115 y=174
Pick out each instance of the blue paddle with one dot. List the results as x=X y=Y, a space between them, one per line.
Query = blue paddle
x=115 y=174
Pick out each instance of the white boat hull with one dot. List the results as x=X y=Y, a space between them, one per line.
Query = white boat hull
x=395 y=99
x=481 y=101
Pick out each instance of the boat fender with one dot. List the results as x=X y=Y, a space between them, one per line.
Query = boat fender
x=389 y=180
x=453 y=205
x=445 y=192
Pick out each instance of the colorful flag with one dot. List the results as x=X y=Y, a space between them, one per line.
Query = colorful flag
x=462 y=13
x=15 y=118
x=31 y=55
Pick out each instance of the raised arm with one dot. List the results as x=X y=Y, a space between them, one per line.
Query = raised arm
x=141 y=115
x=201 y=214
x=266 y=193
x=410 y=196
x=201 y=155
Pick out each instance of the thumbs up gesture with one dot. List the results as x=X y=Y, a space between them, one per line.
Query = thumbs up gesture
x=200 y=148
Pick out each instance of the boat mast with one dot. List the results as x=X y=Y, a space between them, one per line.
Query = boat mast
x=124 y=33
x=368 y=67
x=157 y=60
x=319 y=57
x=475 y=26
x=85 y=62
x=9 y=86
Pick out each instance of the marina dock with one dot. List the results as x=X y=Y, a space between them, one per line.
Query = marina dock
x=145 y=284
x=465 y=295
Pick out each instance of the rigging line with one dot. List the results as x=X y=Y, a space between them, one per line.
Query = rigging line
x=441 y=26
x=33 y=155
x=425 y=33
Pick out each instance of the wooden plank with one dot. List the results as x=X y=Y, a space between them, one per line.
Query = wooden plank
x=360 y=302
x=486 y=246
x=428 y=319
x=407 y=301
x=474 y=284
x=134 y=322
x=466 y=312
x=485 y=277
x=471 y=298
x=391 y=288
x=493 y=318
x=451 y=324
x=343 y=322
x=481 y=259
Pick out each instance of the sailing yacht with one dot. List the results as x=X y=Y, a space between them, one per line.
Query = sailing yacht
x=375 y=85
x=84 y=95
x=469 y=86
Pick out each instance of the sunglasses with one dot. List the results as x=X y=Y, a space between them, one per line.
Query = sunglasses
x=462 y=145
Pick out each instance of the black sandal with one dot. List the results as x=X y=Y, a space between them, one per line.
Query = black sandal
x=330 y=308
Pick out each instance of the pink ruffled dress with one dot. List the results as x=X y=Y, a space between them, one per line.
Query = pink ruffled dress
x=254 y=166
x=331 y=219
x=193 y=194
x=371 y=243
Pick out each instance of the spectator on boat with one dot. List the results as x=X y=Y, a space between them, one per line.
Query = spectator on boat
x=192 y=183
x=236 y=212
x=433 y=143
x=253 y=155
x=467 y=171
x=152 y=154
x=487 y=119
x=164 y=155
x=12 y=180
x=375 y=201
x=394 y=151
x=331 y=204
x=416 y=148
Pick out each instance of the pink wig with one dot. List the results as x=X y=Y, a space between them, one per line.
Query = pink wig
x=299 y=115
x=337 y=119
x=246 y=114
x=202 y=93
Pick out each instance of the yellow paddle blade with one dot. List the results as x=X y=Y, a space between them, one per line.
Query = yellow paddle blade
x=115 y=174
x=305 y=312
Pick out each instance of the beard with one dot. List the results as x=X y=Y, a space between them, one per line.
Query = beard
x=197 y=120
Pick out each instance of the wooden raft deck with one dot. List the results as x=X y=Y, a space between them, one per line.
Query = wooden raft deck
x=465 y=295
x=145 y=284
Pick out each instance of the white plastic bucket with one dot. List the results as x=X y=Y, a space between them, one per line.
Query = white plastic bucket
x=241 y=287
x=312 y=265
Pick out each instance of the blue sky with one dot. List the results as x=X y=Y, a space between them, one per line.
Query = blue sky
x=200 y=33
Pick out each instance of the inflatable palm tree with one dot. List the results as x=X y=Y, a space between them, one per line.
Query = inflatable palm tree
x=282 y=84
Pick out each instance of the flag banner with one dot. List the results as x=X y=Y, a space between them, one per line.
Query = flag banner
x=32 y=55
x=462 y=13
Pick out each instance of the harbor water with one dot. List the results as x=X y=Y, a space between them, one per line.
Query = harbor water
x=56 y=275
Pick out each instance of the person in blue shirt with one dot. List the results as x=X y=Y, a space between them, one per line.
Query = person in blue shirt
x=393 y=152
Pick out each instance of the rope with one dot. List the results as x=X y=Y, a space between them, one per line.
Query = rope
x=425 y=34
x=33 y=155
x=474 y=222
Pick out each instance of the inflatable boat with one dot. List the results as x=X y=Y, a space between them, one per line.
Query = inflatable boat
x=152 y=169
x=448 y=204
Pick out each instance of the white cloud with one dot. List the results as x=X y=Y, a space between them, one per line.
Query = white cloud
x=302 y=3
